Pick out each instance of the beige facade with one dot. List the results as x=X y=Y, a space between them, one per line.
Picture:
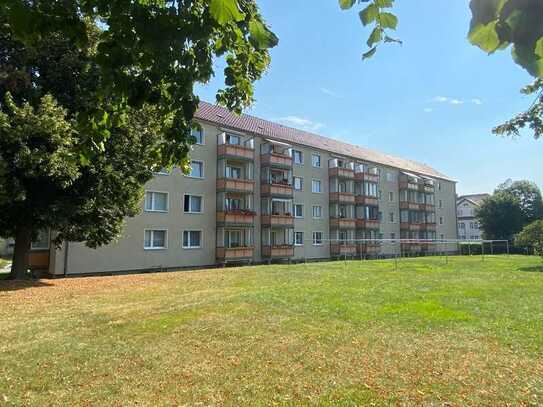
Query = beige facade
x=242 y=216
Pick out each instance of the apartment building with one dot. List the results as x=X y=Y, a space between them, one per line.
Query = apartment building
x=259 y=191
x=468 y=227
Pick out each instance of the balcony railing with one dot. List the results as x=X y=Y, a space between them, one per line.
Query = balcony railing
x=415 y=206
x=286 y=221
x=235 y=185
x=236 y=218
x=342 y=248
x=411 y=226
x=342 y=197
x=367 y=224
x=276 y=160
x=38 y=259
x=235 y=151
x=366 y=176
x=342 y=223
x=368 y=248
x=366 y=200
x=279 y=190
x=341 y=172
x=234 y=253
x=278 y=251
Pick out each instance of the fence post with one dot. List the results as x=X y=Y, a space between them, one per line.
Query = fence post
x=483 y=250
x=507 y=243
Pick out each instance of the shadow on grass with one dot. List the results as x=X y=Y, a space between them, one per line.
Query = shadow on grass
x=533 y=269
x=11 y=285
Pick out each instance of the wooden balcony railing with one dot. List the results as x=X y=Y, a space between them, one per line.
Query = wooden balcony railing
x=340 y=249
x=364 y=176
x=368 y=248
x=278 y=220
x=276 y=160
x=342 y=223
x=411 y=226
x=279 y=190
x=338 y=172
x=236 y=218
x=367 y=224
x=234 y=253
x=235 y=151
x=38 y=259
x=367 y=200
x=235 y=185
x=342 y=197
x=278 y=251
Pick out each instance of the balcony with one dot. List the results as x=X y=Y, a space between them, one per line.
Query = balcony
x=235 y=151
x=340 y=172
x=363 y=176
x=235 y=185
x=278 y=251
x=370 y=248
x=367 y=223
x=431 y=226
x=279 y=190
x=276 y=160
x=342 y=197
x=236 y=218
x=411 y=226
x=342 y=249
x=342 y=223
x=283 y=221
x=366 y=200
x=225 y=254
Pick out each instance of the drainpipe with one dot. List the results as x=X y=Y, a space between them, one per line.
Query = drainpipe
x=66 y=258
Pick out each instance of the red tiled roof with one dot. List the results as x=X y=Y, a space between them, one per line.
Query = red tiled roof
x=264 y=128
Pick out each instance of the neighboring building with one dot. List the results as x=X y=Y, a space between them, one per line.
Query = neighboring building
x=6 y=247
x=468 y=227
x=260 y=191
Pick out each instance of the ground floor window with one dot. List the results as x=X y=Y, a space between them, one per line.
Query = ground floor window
x=155 y=239
x=42 y=241
x=317 y=238
x=192 y=239
x=299 y=238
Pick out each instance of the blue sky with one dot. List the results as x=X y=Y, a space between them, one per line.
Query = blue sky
x=434 y=99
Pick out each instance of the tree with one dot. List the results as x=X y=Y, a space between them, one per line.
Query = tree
x=529 y=197
x=532 y=236
x=495 y=25
x=87 y=114
x=500 y=216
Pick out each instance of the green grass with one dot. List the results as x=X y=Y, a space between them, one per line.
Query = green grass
x=356 y=333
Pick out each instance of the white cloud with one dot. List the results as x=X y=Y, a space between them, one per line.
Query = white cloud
x=477 y=101
x=440 y=99
x=329 y=92
x=456 y=102
x=302 y=123
x=428 y=110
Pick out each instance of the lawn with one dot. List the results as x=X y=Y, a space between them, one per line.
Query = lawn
x=355 y=333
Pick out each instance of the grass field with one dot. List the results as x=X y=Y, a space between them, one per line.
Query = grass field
x=355 y=333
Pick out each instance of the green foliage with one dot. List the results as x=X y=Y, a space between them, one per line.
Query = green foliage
x=532 y=236
x=500 y=216
x=528 y=195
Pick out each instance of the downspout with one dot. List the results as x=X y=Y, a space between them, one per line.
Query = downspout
x=66 y=258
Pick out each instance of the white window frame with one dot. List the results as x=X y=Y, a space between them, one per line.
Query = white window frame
x=391 y=196
x=201 y=204
x=203 y=137
x=294 y=210
x=192 y=247
x=294 y=151
x=321 y=239
x=152 y=247
x=301 y=183
x=298 y=244
x=203 y=169
x=312 y=184
x=441 y=221
x=47 y=247
x=313 y=162
x=152 y=201
x=313 y=211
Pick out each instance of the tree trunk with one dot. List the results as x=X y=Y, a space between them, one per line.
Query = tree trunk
x=23 y=239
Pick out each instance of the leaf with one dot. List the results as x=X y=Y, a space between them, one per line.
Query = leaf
x=369 y=54
x=390 y=39
x=485 y=37
x=388 y=20
x=346 y=4
x=539 y=47
x=260 y=36
x=375 y=36
x=225 y=11
x=384 y=3
x=369 y=14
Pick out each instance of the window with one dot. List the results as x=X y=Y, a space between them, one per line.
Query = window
x=461 y=226
x=232 y=204
x=156 y=201
x=41 y=242
x=233 y=139
x=192 y=204
x=196 y=169
x=393 y=236
x=233 y=172
x=370 y=189
x=391 y=196
x=192 y=239
x=475 y=226
x=317 y=212
x=198 y=134
x=391 y=217
x=439 y=186
x=316 y=160
x=298 y=157
x=316 y=186
x=155 y=239
x=390 y=176
x=298 y=210
x=441 y=220
x=442 y=237
x=317 y=238
x=233 y=238
x=440 y=203
x=298 y=183
x=380 y=216
x=298 y=238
